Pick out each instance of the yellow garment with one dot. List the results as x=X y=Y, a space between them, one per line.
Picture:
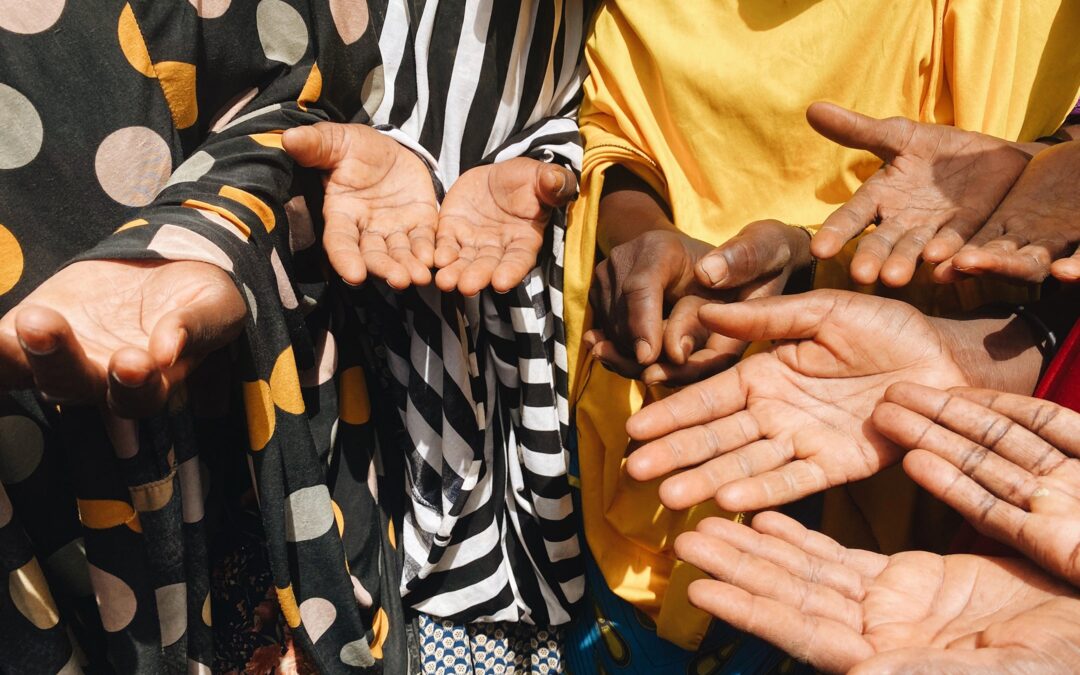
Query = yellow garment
x=706 y=101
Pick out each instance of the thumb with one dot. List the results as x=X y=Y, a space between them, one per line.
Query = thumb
x=556 y=186
x=181 y=338
x=320 y=146
x=1067 y=270
x=787 y=317
x=885 y=138
x=761 y=249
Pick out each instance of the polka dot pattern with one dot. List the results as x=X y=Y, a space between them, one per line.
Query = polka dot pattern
x=132 y=165
x=172 y=612
x=357 y=654
x=194 y=168
x=11 y=260
x=68 y=565
x=30 y=594
x=308 y=513
x=21 y=448
x=26 y=18
x=282 y=31
x=350 y=19
x=318 y=615
x=21 y=132
x=211 y=9
x=374 y=90
x=115 y=599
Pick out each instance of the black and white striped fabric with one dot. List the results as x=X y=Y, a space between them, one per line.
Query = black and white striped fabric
x=481 y=382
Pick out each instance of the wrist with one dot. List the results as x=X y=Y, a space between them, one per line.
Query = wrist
x=998 y=353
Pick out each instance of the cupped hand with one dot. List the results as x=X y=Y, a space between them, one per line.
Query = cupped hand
x=792 y=421
x=492 y=223
x=119 y=333
x=1035 y=229
x=938 y=186
x=846 y=610
x=380 y=208
x=647 y=293
x=1009 y=464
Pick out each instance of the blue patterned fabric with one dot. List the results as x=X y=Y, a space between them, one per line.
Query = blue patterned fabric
x=487 y=648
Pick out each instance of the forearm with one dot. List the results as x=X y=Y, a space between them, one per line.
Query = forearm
x=629 y=208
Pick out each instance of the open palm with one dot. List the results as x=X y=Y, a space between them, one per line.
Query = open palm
x=380 y=207
x=1009 y=464
x=792 y=421
x=492 y=222
x=842 y=609
x=121 y=331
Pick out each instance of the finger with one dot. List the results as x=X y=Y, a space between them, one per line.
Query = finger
x=136 y=386
x=773 y=487
x=321 y=146
x=60 y=367
x=846 y=223
x=1008 y=258
x=848 y=583
x=1057 y=425
x=422 y=243
x=15 y=370
x=720 y=354
x=699 y=485
x=448 y=277
x=942 y=479
x=341 y=241
x=951 y=238
x=400 y=248
x=684 y=333
x=608 y=355
x=784 y=528
x=924 y=660
x=555 y=185
x=756 y=574
x=517 y=261
x=183 y=337
x=447 y=247
x=477 y=276
x=874 y=249
x=966 y=422
x=375 y=250
x=761 y=249
x=716 y=397
x=690 y=447
x=825 y=644
x=900 y=266
x=642 y=301
x=1067 y=270
x=886 y=138
x=789 y=317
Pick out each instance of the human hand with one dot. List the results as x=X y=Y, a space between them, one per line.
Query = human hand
x=119 y=333
x=938 y=186
x=1034 y=229
x=846 y=610
x=492 y=222
x=1009 y=464
x=792 y=421
x=380 y=208
x=647 y=293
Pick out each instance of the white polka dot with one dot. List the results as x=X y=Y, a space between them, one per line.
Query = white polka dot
x=132 y=165
x=350 y=18
x=284 y=284
x=115 y=599
x=325 y=362
x=21 y=448
x=210 y=9
x=226 y=114
x=282 y=31
x=357 y=654
x=6 y=510
x=29 y=16
x=69 y=567
x=21 y=132
x=253 y=308
x=360 y=593
x=196 y=166
x=177 y=243
x=317 y=614
x=191 y=491
x=308 y=513
x=371 y=95
x=301 y=227
x=196 y=668
x=172 y=612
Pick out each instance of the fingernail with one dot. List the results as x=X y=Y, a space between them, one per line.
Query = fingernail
x=562 y=182
x=130 y=382
x=49 y=348
x=714 y=267
x=687 y=345
x=643 y=351
x=181 y=343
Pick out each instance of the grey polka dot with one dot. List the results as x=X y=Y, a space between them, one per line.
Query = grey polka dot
x=21 y=132
x=374 y=90
x=21 y=447
x=308 y=513
x=357 y=654
x=196 y=166
x=132 y=165
x=172 y=612
x=68 y=566
x=282 y=31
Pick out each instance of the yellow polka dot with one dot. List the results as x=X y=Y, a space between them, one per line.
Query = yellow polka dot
x=132 y=43
x=287 y=601
x=223 y=212
x=355 y=406
x=338 y=518
x=11 y=260
x=30 y=595
x=270 y=139
x=391 y=535
x=152 y=496
x=103 y=514
x=138 y=222
x=260 y=413
x=207 y=617
x=285 y=384
x=256 y=205
x=312 y=88
x=380 y=628
x=178 y=83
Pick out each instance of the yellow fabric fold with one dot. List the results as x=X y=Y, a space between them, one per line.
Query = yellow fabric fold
x=706 y=102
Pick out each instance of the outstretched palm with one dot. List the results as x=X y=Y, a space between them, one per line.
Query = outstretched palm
x=841 y=608
x=938 y=185
x=792 y=421
x=492 y=222
x=128 y=330
x=380 y=207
